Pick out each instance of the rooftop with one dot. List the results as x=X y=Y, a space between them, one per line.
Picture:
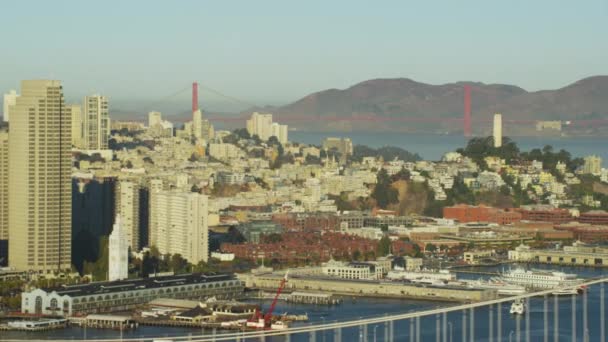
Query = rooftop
x=139 y=284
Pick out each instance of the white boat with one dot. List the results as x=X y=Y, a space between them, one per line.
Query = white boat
x=518 y=307
x=539 y=279
x=502 y=288
x=569 y=291
x=279 y=325
x=427 y=276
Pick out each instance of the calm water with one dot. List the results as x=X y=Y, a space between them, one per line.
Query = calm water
x=369 y=307
x=432 y=147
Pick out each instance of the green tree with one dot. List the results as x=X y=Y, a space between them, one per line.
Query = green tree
x=430 y=248
x=384 y=193
x=384 y=246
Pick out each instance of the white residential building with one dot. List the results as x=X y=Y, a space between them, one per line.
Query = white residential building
x=497 y=132
x=118 y=250
x=127 y=207
x=180 y=224
x=260 y=125
x=280 y=131
x=10 y=99
x=154 y=118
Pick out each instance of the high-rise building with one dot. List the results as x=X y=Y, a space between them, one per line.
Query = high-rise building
x=180 y=224
x=197 y=124
x=260 y=125
x=154 y=118
x=75 y=112
x=118 y=253
x=9 y=100
x=127 y=207
x=593 y=165
x=40 y=197
x=497 y=131
x=156 y=186
x=279 y=131
x=3 y=197
x=96 y=123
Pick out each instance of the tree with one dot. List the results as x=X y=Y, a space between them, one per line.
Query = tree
x=357 y=255
x=178 y=264
x=430 y=248
x=384 y=246
x=384 y=193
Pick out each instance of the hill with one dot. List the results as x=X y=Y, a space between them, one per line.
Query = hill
x=586 y=99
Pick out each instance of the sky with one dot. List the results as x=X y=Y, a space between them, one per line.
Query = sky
x=139 y=53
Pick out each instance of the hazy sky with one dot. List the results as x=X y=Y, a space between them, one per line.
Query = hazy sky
x=272 y=52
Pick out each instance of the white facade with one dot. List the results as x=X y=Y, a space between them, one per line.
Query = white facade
x=118 y=260
x=497 y=132
x=223 y=151
x=360 y=271
x=10 y=99
x=279 y=131
x=260 y=125
x=593 y=165
x=127 y=207
x=197 y=124
x=180 y=224
x=40 y=302
x=154 y=118
x=95 y=123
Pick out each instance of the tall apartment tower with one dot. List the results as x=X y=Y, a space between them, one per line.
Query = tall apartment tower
x=156 y=186
x=118 y=253
x=9 y=100
x=154 y=118
x=39 y=191
x=96 y=123
x=127 y=207
x=181 y=224
x=3 y=197
x=497 y=131
x=260 y=125
x=75 y=112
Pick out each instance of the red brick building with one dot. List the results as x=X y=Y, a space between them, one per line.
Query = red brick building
x=304 y=246
x=467 y=213
x=545 y=214
x=597 y=217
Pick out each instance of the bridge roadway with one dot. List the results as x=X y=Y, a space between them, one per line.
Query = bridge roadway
x=241 y=336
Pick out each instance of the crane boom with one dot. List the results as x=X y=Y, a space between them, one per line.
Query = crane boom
x=268 y=315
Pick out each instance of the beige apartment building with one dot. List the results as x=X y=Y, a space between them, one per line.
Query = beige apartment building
x=96 y=122
x=40 y=194
x=179 y=224
x=3 y=187
x=127 y=206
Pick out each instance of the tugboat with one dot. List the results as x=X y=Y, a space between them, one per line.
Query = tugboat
x=518 y=307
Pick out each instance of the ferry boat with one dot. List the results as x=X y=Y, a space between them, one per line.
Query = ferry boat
x=540 y=279
x=503 y=288
x=518 y=307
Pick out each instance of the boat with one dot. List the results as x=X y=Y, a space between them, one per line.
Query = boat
x=424 y=275
x=502 y=288
x=569 y=291
x=518 y=307
x=540 y=279
x=279 y=325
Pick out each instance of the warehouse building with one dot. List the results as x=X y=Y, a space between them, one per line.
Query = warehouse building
x=69 y=300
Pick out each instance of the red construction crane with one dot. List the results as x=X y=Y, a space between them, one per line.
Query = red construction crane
x=261 y=321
